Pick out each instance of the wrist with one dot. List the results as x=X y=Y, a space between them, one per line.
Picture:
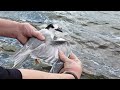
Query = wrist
x=9 y=28
x=20 y=26
x=19 y=29
x=74 y=76
x=67 y=76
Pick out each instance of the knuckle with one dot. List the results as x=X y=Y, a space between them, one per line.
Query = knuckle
x=37 y=34
x=62 y=57
x=26 y=23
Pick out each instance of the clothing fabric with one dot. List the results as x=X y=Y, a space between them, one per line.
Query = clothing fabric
x=10 y=73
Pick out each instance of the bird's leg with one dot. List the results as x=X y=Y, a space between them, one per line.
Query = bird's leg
x=37 y=61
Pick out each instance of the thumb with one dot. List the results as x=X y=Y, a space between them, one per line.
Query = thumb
x=62 y=56
x=73 y=56
x=22 y=39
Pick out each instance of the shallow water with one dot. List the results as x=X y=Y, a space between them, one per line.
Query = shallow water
x=96 y=35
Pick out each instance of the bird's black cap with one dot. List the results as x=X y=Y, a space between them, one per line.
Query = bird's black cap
x=52 y=26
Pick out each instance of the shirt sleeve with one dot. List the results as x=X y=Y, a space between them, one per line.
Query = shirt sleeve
x=10 y=73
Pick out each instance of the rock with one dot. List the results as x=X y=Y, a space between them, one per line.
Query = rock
x=27 y=16
x=95 y=39
x=96 y=43
x=96 y=54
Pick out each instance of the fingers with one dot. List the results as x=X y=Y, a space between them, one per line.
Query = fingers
x=22 y=39
x=30 y=31
x=62 y=56
x=73 y=56
x=38 y=35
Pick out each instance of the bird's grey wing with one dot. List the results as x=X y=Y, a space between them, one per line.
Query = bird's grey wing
x=48 y=54
x=45 y=52
x=21 y=56
x=58 y=64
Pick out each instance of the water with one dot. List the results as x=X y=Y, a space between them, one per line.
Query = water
x=95 y=36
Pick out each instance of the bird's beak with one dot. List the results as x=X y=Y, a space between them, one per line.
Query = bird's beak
x=59 y=29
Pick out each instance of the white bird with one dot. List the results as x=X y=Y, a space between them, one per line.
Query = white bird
x=46 y=51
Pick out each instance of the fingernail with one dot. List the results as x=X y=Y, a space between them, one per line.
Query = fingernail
x=42 y=37
x=60 y=52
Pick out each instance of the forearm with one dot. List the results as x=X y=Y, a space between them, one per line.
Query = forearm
x=7 y=27
x=34 y=74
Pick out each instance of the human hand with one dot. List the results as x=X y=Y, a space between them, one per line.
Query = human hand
x=71 y=64
x=26 y=31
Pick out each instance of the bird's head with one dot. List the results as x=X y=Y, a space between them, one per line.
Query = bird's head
x=55 y=27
